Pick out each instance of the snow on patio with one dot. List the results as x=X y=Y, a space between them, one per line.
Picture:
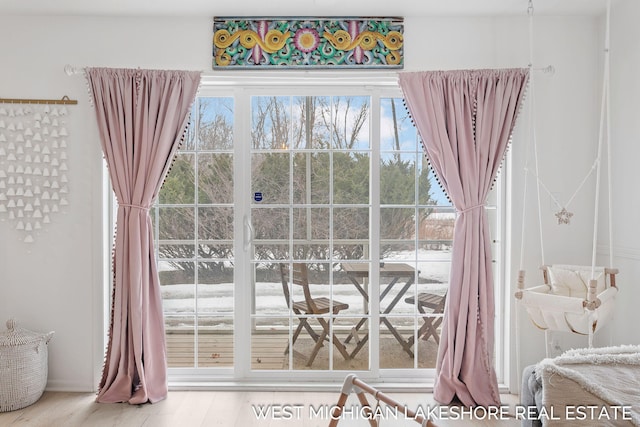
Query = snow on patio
x=179 y=300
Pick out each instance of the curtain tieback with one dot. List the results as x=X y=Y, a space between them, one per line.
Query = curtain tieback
x=459 y=212
x=143 y=208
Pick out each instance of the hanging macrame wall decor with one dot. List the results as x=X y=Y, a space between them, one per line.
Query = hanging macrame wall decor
x=33 y=162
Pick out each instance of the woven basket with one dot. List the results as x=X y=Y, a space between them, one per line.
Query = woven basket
x=23 y=366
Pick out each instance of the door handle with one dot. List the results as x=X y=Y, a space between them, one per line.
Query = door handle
x=248 y=234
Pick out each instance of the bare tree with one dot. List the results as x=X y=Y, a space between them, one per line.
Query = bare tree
x=344 y=120
x=309 y=123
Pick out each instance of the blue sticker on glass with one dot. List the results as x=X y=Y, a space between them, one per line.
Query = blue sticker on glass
x=257 y=197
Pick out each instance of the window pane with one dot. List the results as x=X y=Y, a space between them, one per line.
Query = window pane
x=215 y=223
x=397 y=132
x=311 y=251
x=176 y=223
x=271 y=122
x=271 y=223
x=436 y=227
x=179 y=333
x=271 y=251
x=215 y=178
x=215 y=250
x=215 y=288
x=351 y=178
x=397 y=179
x=269 y=294
x=270 y=176
x=431 y=191
x=434 y=272
x=311 y=172
x=270 y=337
x=395 y=250
x=351 y=233
x=311 y=223
x=427 y=351
x=215 y=341
x=215 y=123
x=349 y=120
x=184 y=250
x=179 y=185
x=311 y=130
x=271 y=233
x=392 y=354
x=350 y=223
x=353 y=290
x=177 y=284
x=397 y=224
x=311 y=233
x=358 y=342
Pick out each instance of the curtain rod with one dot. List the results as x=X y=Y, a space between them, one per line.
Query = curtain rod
x=65 y=100
x=549 y=69
x=70 y=70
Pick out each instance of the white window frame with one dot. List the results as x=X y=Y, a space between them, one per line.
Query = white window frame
x=242 y=86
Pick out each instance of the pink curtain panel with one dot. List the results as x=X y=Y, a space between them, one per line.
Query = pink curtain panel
x=465 y=120
x=142 y=117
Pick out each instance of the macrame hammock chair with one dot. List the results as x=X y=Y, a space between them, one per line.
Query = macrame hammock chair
x=572 y=298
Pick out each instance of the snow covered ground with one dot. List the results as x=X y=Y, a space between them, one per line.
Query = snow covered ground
x=179 y=301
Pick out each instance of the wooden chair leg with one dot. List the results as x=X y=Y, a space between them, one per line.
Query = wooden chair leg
x=430 y=327
x=357 y=328
x=304 y=323
x=320 y=343
x=359 y=346
x=405 y=345
x=296 y=333
x=341 y=348
x=317 y=347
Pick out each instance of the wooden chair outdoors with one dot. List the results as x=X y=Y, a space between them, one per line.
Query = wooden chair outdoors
x=429 y=305
x=310 y=307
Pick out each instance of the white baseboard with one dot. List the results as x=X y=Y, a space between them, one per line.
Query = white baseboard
x=70 y=386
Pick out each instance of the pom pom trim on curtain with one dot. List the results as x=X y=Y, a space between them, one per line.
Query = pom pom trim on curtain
x=142 y=117
x=465 y=119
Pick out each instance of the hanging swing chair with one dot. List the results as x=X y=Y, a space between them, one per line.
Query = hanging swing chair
x=572 y=298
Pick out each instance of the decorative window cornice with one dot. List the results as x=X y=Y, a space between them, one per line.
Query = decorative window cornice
x=255 y=43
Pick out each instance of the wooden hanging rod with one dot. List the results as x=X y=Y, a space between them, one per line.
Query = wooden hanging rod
x=65 y=101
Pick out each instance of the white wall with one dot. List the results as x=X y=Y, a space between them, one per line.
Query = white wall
x=625 y=130
x=56 y=283
x=563 y=108
x=571 y=142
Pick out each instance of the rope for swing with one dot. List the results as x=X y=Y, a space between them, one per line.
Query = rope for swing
x=604 y=134
x=563 y=215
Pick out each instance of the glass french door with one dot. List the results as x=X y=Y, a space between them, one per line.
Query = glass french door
x=330 y=180
x=310 y=185
x=194 y=228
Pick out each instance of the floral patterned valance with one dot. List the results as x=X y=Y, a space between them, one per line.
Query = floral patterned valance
x=255 y=43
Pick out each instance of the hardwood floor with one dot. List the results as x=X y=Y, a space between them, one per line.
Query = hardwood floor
x=221 y=408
